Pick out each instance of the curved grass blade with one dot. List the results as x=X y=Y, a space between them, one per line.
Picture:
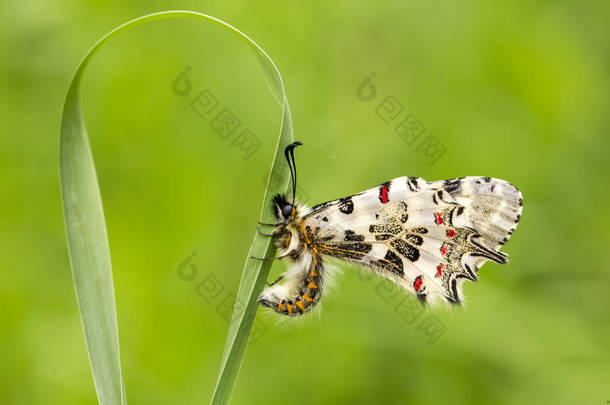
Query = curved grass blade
x=88 y=240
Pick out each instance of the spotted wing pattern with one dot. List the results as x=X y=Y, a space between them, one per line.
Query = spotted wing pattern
x=427 y=237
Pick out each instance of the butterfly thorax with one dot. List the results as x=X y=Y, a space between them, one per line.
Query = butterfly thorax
x=290 y=235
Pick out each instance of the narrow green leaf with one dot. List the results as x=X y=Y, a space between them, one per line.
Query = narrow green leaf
x=88 y=240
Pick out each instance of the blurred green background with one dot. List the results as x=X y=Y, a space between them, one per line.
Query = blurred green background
x=515 y=91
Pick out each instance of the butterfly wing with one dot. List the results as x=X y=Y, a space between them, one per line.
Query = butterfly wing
x=493 y=206
x=427 y=237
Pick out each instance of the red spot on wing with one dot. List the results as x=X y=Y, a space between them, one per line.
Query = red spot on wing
x=439 y=270
x=438 y=218
x=450 y=233
x=384 y=195
x=417 y=284
x=444 y=250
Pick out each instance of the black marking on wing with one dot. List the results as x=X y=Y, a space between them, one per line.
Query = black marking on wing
x=354 y=250
x=453 y=186
x=441 y=196
x=391 y=262
x=383 y=236
x=315 y=209
x=346 y=205
x=454 y=298
x=472 y=274
x=414 y=239
x=404 y=216
x=420 y=229
x=450 y=215
x=357 y=247
x=387 y=226
x=435 y=198
x=405 y=249
x=496 y=256
x=353 y=237
x=412 y=184
x=320 y=206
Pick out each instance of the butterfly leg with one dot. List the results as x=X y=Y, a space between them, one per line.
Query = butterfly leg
x=268 y=258
x=264 y=223
x=262 y=233
x=275 y=282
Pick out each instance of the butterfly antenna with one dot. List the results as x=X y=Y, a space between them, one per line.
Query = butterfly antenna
x=289 y=153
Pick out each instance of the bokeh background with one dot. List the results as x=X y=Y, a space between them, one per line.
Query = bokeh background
x=515 y=91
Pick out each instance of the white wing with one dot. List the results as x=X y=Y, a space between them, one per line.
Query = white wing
x=427 y=237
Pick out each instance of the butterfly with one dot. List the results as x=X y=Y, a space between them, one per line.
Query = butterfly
x=427 y=237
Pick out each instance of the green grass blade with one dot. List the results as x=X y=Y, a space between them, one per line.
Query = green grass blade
x=88 y=240
x=252 y=281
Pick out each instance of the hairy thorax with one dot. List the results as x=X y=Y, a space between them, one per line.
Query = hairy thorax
x=292 y=240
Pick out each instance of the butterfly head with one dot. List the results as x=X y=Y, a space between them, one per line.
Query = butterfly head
x=283 y=209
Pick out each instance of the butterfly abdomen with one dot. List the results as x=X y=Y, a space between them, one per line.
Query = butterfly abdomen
x=298 y=294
